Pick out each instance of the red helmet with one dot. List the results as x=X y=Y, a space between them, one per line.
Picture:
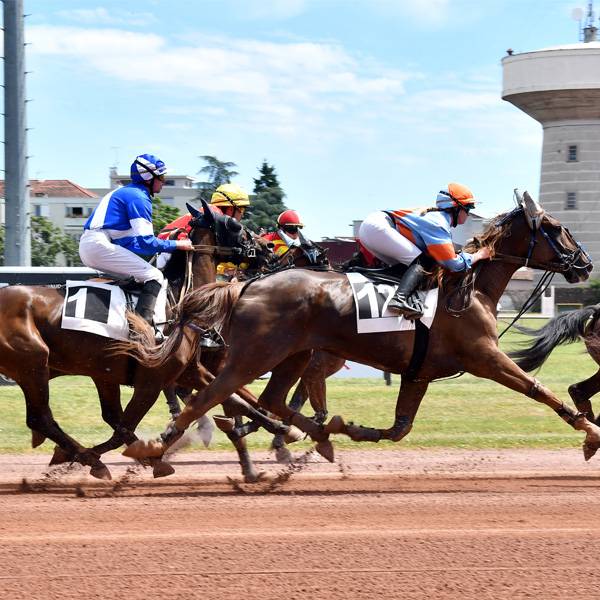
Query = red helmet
x=289 y=217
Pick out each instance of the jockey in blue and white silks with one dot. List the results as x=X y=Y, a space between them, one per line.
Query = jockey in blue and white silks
x=417 y=238
x=119 y=231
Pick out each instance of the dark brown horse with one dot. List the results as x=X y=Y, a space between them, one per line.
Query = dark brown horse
x=564 y=329
x=316 y=310
x=34 y=349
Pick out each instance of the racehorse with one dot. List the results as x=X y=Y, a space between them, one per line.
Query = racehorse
x=34 y=349
x=565 y=329
x=316 y=310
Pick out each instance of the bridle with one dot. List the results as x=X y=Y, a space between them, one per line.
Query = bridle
x=566 y=260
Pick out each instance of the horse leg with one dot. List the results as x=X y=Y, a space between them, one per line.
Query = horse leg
x=172 y=401
x=283 y=376
x=39 y=418
x=500 y=368
x=409 y=399
x=582 y=392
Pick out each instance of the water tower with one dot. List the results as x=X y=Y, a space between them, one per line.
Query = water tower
x=560 y=88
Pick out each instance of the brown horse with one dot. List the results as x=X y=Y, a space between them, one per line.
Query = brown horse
x=565 y=329
x=34 y=349
x=316 y=310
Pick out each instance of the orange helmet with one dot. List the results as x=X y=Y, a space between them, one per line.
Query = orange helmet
x=457 y=195
x=289 y=217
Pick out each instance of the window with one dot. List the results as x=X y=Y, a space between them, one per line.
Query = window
x=571 y=203
x=170 y=182
x=37 y=210
x=78 y=212
x=572 y=154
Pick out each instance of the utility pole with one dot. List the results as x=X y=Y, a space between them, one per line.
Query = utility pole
x=17 y=246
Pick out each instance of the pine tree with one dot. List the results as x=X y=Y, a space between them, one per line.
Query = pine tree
x=267 y=203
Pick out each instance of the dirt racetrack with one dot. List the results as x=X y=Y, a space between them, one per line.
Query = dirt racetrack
x=376 y=525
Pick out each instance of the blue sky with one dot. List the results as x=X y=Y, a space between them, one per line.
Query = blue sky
x=359 y=104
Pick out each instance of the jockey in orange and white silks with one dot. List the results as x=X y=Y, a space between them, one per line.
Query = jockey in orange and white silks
x=288 y=234
x=415 y=236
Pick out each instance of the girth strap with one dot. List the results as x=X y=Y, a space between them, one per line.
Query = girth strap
x=419 y=351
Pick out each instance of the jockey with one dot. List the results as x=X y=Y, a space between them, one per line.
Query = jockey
x=416 y=236
x=119 y=232
x=288 y=235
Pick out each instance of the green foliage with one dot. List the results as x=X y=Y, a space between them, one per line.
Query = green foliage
x=47 y=242
x=267 y=204
x=162 y=214
x=218 y=173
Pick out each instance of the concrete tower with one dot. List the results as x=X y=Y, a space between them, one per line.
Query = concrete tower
x=560 y=88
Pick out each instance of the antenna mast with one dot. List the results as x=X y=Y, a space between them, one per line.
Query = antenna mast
x=590 y=31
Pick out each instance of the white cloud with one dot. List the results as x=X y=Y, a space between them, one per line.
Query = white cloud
x=287 y=85
x=426 y=12
x=102 y=16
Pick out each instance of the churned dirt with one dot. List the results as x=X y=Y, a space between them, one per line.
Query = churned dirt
x=375 y=525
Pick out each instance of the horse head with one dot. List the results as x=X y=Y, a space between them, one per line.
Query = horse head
x=535 y=239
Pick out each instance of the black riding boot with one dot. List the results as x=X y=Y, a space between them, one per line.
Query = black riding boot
x=147 y=300
x=404 y=302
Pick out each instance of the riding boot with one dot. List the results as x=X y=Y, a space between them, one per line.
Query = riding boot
x=147 y=300
x=404 y=302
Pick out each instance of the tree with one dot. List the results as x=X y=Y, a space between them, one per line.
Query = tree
x=162 y=214
x=217 y=172
x=47 y=242
x=267 y=204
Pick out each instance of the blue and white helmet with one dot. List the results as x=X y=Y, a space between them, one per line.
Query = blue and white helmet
x=146 y=167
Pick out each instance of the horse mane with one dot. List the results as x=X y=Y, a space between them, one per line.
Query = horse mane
x=496 y=231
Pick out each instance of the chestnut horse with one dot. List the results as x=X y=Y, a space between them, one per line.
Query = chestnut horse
x=316 y=310
x=34 y=349
x=565 y=329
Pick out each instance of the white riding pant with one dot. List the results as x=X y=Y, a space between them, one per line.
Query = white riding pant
x=98 y=252
x=380 y=237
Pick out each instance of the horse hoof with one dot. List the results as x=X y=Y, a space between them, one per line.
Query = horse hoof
x=101 y=472
x=293 y=435
x=325 y=449
x=283 y=455
x=336 y=425
x=254 y=477
x=225 y=424
x=160 y=468
x=37 y=439
x=59 y=457
x=145 y=449
x=589 y=450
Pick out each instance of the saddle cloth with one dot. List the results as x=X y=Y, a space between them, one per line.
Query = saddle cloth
x=99 y=308
x=371 y=299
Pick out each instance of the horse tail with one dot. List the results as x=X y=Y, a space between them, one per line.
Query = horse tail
x=563 y=329
x=209 y=306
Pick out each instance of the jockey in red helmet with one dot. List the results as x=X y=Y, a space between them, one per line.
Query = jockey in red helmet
x=288 y=233
x=418 y=237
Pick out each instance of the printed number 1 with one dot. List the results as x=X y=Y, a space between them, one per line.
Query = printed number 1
x=80 y=299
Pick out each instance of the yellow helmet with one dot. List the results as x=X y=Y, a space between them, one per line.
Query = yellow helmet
x=230 y=194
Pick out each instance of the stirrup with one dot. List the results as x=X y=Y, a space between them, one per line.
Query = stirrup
x=211 y=339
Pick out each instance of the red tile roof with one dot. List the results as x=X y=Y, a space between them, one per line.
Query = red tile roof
x=54 y=188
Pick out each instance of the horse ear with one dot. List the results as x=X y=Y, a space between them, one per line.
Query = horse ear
x=533 y=211
x=193 y=210
x=208 y=214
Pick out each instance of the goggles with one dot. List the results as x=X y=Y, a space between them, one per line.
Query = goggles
x=291 y=228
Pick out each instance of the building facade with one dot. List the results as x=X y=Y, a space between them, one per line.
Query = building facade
x=560 y=88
